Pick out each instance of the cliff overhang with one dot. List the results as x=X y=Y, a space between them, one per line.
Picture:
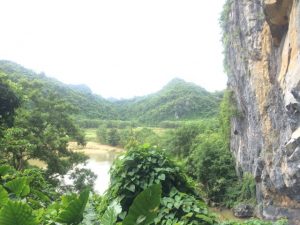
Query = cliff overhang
x=277 y=15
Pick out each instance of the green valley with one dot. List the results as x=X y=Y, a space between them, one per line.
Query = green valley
x=176 y=158
x=177 y=101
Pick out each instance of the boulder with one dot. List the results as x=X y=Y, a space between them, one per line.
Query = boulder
x=243 y=210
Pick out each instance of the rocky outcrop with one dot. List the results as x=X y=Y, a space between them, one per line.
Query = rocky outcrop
x=243 y=211
x=262 y=50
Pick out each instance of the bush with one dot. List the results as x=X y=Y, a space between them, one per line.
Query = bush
x=181 y=140
x=139 y=168
x=212 y=164
x=242 y=191
x=169 y=124
x=102 y=134
x=113 y=137
x=88 y=123
x=109 y=136
x=27 y=199
x=138 y=137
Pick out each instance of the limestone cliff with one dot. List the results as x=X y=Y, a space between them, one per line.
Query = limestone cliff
x=262 y=58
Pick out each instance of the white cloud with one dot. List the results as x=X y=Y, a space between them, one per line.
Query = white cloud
x=120 y=48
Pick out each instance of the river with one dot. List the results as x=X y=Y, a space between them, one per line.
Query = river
x=100 y=160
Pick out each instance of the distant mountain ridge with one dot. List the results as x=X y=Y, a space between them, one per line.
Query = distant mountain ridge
x=178 y=100
x=87 y=104
x=81 y=87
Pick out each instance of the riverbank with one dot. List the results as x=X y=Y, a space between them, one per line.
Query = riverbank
x=94 y=147
x=225 y=214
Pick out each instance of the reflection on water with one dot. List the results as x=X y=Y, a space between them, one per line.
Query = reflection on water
x=100 y=163
x=100 y=156
x=100 y=160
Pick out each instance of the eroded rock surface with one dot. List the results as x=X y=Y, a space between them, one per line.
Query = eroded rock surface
x=263 y=63
x=243 y=211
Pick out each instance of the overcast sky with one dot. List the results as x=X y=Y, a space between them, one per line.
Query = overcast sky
x=120 y=48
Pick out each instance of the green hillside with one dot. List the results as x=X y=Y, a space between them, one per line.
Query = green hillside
x=178 y=100
x=80 y=97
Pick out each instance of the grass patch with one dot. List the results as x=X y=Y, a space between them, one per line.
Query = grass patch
x=157 y=130
x=90 y=134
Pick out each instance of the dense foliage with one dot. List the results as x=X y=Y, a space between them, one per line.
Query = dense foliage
x=179 y=141
x=38 y=126
x=147 y=187
x=203 y=147
x=95 y=123
x=82 y=100
x=211 y=163
x=127 y=136
x=26 y=198
x=9 y=101
x=142 y=166
x=178 y=100
x=41 y=130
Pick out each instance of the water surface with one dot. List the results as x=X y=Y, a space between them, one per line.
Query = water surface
x=100 y=163
x=100 y=160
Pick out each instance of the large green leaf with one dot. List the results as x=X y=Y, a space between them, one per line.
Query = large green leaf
x=73 y=212
x=17 y=213
x=5 y=169
x=110 y=217
x=3 y=196
x=144 y=207
x=111 y=214
x=19 y=186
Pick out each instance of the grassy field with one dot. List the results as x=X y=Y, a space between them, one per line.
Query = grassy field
x=159 y=131
x=90 y=135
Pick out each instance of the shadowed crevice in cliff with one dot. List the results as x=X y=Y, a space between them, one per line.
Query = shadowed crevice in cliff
x=277 y=15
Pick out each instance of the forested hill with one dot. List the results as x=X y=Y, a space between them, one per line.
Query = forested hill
x=178 y=100
x=80 y=97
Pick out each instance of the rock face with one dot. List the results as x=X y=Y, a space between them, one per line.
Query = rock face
x=243 y=211
x=262 y=58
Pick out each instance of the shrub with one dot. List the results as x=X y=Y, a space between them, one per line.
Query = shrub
x=102 y=134
x=113 y=137
x=27 y=199
x=242 y=191
x=142 y=166
x=109 y=136
x=181 y=140
x=212 y=164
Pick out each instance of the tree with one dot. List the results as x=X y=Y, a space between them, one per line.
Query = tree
x=42 y=130
x=181 y=140
x=8 y=102
x=113 y=137
x=212 y=164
